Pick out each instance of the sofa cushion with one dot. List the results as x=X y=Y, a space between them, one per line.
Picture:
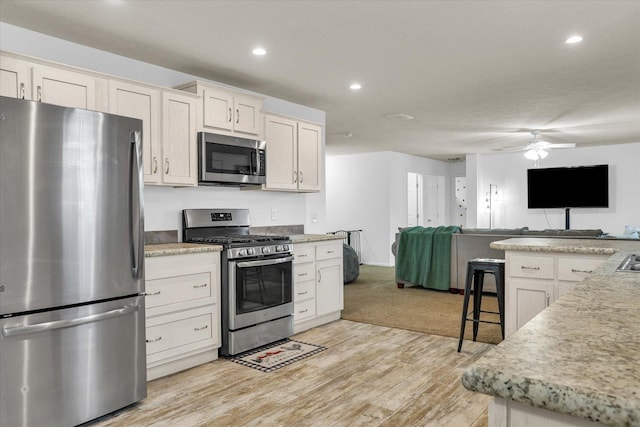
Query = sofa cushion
x=563 y=233
x=497 y=231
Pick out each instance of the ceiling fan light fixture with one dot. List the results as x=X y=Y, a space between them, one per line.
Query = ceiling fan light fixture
x=531 y=154
x=542 y=153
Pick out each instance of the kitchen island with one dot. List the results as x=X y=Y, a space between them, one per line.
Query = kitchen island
x=577 y=363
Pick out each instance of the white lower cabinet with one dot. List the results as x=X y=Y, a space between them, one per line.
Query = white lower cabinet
x=182 y=312
x=317 y=283
x=535 y=280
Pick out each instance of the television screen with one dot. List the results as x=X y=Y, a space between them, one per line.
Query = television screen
x=568 y=187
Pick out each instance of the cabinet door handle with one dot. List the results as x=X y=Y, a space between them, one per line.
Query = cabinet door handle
x=201 y=328
x=548 y=299
x=152 y=293
x=319 y=276
x=524 y=267
x=230 y=114
x=576 y=270
x=155 y=164
x=204 y=285
x=166 y=163
x=154 y=339
x=39 y=93
x=237 y=115
x=301 y=177
x=295 y=176
x=21 y=90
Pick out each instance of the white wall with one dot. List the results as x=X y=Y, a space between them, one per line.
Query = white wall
x=163 y=204
x=369 y=192
x=509 y=172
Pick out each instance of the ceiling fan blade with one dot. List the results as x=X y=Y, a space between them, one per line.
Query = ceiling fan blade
x=567 y=145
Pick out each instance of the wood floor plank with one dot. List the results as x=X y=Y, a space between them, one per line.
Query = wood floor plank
x=368 y=376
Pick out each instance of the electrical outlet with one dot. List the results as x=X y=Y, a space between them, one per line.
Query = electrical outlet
x=274 y=214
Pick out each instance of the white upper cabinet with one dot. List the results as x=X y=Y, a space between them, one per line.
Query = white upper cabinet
x=294 y=150
x=227 y=112
x=15 y=78
x=52 y=84
x=179 y=145
x=142 y=103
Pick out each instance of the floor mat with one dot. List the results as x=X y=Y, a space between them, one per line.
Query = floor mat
x=276 y=355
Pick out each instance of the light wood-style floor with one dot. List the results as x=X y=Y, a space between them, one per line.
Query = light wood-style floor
x=368 y=376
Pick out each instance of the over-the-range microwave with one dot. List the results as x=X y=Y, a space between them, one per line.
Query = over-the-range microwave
x=228 y=160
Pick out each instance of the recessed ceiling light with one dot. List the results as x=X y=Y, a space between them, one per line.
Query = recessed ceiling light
x=355 y=86
x=573 y=39
x=259 y=51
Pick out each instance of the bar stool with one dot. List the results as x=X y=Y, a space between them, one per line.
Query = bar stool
x=476 y=269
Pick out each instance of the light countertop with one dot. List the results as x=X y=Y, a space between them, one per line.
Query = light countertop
x=581 y=355
x=306 y=238
x=165 y=249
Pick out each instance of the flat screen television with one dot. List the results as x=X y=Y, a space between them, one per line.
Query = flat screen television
x=568 y=187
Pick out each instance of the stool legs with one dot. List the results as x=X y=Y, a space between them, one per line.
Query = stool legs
x=500 y=292
x=465 y=305
x=478 y=284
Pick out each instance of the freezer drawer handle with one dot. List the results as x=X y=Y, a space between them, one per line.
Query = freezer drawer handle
x=59 y=324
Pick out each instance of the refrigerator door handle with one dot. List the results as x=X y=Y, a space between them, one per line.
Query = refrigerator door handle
x=136 y=167
x=59 y=324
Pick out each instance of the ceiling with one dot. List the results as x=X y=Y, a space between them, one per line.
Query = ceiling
x=475 y=75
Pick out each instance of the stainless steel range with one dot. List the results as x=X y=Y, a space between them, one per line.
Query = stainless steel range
x=256 y=277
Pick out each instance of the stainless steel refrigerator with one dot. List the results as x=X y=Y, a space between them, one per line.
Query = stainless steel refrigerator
x=71 y=264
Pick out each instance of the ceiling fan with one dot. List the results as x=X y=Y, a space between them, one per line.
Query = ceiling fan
x=537 y=149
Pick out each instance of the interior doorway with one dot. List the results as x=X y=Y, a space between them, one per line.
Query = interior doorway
x=435 y=212
x=414 y=199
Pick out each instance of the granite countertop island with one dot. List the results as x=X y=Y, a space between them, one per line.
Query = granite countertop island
x=164 y=249
x=581 y=355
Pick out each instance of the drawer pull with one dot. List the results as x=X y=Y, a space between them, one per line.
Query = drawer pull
x=302 y=293
x=329 y=252
x=155 y=339
x=575 y=270
x=302 y=256
x=201 y=328
x=204 y=285
x=524 y=267
x=303 y=311
x=302 y=274
x=152 y=293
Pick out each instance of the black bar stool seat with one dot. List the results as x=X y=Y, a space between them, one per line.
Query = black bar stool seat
x=476 y=269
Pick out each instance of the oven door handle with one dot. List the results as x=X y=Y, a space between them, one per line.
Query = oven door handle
x=262 y=262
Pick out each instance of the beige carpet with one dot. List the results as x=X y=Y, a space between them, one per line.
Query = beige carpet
x=374 y=298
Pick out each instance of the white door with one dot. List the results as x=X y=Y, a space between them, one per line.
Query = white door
x=414 y=199
x=435 y=201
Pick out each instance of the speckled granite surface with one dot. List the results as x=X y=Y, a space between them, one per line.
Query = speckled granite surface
x=178 y=249
x=572 y=246
x=580 y=356
x=305 y=238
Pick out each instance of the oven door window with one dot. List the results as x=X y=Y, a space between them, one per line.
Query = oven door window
x=259 y=286
x=231 y=160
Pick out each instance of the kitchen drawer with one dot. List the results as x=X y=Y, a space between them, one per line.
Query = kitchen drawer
x=304 y=309
x=303 y=253
x=531 y=266
x=577 y=269
x=329 y=251
x=170 y=290
x=302 y=272
x=175 y=333
x=304 y=290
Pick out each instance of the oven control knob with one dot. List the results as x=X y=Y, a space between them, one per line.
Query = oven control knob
x=285 y=247
x=279 y=248
x=266 y=250
x=242 y=252
x=250 y=251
